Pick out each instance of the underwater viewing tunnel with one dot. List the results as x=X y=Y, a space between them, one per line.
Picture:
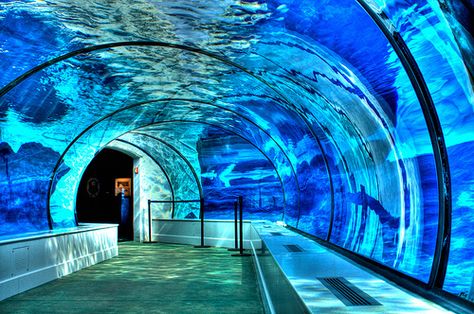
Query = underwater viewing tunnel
x=349 y=121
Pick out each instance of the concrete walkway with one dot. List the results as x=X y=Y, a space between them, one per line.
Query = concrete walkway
x=150 y=278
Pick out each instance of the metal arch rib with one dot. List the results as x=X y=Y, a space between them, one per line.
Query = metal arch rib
x=55 y=169
x=71 y=54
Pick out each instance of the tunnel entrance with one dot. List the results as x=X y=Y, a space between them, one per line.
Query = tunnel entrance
x=105 y=192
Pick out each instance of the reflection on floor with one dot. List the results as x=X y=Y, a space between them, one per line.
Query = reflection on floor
x=156 y=278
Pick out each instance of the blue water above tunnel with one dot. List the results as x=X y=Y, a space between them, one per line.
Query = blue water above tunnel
x=351 y=121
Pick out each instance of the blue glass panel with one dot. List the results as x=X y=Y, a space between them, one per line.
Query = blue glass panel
x=460 y=273
x=27 y=32
x=231 y=167
x=377 y=132
x=436 y=34
x=25 y=177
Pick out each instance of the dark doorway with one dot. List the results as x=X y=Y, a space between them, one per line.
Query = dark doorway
x=105 y=192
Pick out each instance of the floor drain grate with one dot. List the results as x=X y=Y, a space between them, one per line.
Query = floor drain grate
x=276 y=233
x=293 y=248
x=345 y=291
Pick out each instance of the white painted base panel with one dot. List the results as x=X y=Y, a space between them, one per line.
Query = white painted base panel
x=218 y=233
x=32 y=260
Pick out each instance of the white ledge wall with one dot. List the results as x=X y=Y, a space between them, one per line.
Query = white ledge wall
x=218 y=233
x=28 y=262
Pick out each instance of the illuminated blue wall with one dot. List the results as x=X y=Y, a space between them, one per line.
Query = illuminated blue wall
x=306 y=108
x=232 y=167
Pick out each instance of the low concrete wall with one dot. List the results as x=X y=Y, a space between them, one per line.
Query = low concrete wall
x=31 y=260
x=218 y=233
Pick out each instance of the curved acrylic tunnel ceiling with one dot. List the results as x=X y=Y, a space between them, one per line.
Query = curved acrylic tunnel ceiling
x=177 y=111
x=352 y=117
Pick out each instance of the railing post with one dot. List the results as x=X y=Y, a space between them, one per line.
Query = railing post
x=201 y=203
x=241 y=236
x=236 y=241
x=149 y=224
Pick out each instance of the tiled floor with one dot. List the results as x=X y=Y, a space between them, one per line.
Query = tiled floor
x=156 y=278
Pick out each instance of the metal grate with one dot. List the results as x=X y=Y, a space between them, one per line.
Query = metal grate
x=276 y=233
x=293 y=248
x=345 y=291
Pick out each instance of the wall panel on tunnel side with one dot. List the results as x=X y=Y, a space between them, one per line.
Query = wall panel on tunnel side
x=378 y=151
x=432 y=40
x=23 y=174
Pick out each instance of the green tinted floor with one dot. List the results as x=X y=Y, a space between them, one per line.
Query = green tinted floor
x=156 y=278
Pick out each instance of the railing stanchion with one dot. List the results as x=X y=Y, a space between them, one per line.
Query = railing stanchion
x=236 y=241
x=201 y=246
x=149 y=224
x=241 y=235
